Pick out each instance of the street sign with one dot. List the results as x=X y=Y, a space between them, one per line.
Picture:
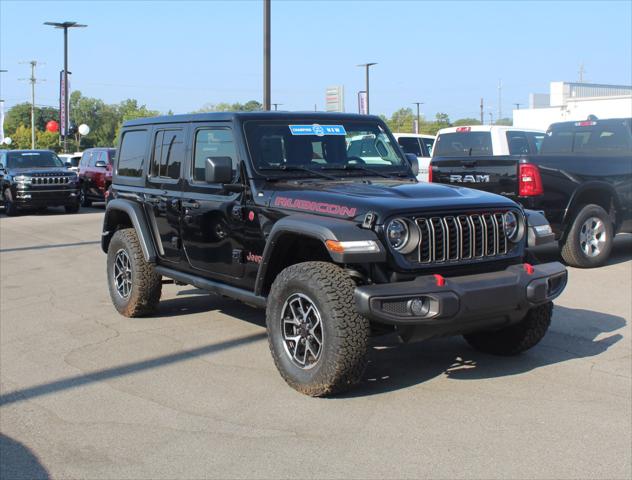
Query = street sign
x=335 y=99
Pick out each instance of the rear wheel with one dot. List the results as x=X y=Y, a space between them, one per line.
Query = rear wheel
x=589 y=240
x=134 y=285
x=74 y=208
x=318 y=340
x=517 y=338
x=10 y=208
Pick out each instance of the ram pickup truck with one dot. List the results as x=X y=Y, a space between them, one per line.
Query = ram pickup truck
x=582 y=180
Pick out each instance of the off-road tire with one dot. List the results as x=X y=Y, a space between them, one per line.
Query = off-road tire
x=10 y=209
x=146 y=283
x=572 y=252
x=343 y=356
x=517 y=338
x=74 y=208
x=83 y=197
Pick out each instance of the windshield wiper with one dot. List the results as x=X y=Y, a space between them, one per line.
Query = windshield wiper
x=359 y=168
x=295 y=168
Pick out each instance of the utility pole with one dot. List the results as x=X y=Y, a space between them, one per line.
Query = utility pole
x=275 y=105
x=366 y=66
x=482 y=114
x=500 y=99
x=418 y=117
x=266 y=55
x=517 y=105
x=581 y=72
x=33 y=80
x=2 y=115
x=491 y=118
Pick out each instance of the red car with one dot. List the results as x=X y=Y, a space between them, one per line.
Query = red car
x=95 y=174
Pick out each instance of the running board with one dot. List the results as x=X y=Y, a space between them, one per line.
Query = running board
x=213 y=287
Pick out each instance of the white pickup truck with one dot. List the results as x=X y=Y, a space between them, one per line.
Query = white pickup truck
x=420 y=145
x=484 y=140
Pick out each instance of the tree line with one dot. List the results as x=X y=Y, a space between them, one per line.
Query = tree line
x=105 y=120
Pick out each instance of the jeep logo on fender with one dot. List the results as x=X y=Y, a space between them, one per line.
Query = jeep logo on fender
x=469 y=178
x=319 y=207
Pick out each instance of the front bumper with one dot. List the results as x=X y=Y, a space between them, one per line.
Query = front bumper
x=463 y=303
x=57 y=197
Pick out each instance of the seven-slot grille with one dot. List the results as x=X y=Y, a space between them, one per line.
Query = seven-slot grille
x=460 y=237
x=50 y=180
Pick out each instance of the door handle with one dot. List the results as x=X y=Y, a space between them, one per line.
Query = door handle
x=190 y=204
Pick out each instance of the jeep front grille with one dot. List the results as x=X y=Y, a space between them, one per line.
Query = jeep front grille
x=460 y=237
x=50 y=180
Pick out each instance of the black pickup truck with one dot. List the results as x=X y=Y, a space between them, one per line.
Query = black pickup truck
x=581 y=179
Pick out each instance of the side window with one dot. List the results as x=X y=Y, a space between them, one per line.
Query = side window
x=85 y=158
x=132 y=153
x=429 y=143
x=518 y=143
x=536 y=141
x=410 y=145
x=168 y=154
x=212 y=142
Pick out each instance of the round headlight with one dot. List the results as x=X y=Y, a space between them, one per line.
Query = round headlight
x=401 y=237
x=513 y=228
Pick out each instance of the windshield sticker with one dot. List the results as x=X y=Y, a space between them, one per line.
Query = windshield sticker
x=318 y=130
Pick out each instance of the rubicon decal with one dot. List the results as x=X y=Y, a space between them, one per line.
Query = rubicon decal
x=253 y=258
x=320 y=207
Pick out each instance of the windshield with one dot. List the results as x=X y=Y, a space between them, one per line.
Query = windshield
x=459 y=144
x=33 y=160
x=344 y=145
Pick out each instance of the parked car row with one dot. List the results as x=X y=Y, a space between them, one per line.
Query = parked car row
x=38 y=179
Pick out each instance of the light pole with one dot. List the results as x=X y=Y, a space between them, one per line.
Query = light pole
x=418 y=118
x=276 y=105
x=266 y=55
x=366 y=66
x=65 y=26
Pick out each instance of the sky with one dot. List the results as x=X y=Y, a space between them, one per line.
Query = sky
x=181 y=55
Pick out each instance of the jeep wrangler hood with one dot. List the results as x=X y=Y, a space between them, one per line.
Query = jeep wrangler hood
x=386 y=198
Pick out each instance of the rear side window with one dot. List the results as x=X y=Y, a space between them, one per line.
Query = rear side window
x=132 y=153
x=518 y=143
x=463 y=143
x=410 y=145
x=168 y=154
x=429 y=144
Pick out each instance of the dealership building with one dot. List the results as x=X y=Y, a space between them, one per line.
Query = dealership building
x=568 y=101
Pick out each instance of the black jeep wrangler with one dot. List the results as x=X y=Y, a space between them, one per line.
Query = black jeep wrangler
x=334 y=237
x=36 y=179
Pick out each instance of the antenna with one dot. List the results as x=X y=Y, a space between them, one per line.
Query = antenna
x=33 y=80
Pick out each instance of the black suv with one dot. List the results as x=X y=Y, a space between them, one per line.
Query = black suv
x=274 y=209
x=36 y=179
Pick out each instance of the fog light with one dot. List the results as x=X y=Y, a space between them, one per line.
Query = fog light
x=419 y=307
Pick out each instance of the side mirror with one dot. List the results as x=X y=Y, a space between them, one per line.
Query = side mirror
x=100 y=164
x=414 y=163
x=218 y=170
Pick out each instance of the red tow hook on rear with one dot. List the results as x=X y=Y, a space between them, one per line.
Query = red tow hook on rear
x=528 y=268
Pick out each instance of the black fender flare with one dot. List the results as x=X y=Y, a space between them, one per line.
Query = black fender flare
x=320 y=228
x=537 y=233
x=583 y=188
x=137 y=218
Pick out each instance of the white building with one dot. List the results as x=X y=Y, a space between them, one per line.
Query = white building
x=569 y=101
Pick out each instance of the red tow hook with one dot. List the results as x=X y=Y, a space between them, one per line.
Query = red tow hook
x=440 y=280
x=528 y=268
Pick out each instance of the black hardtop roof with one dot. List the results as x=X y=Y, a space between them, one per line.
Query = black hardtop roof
x=598 y=121
x=29 y=150
x=230 y=116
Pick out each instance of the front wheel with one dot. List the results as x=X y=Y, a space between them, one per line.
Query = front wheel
x=73 y=208
x=83 y=197
x=134 y=285
x=589 y=240
x=317 y=338
x=10 y=208
x=517 y=338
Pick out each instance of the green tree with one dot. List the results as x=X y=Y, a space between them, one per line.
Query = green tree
x=47 y=140
x=466 y=121
x=20 y=114
x=504 y=121
x=21 y=138
x=402 y=120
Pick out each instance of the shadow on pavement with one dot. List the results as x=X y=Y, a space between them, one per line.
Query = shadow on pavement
x=393 y=366
x=123 y=370
x=19 y=462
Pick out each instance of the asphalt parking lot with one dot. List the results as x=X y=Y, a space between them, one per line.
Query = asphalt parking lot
x=193 y=393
